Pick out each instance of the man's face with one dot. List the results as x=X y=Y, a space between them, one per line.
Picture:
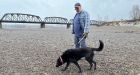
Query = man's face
x=78 y=8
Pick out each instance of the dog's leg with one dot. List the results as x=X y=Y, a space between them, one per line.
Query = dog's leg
x=76 y=63
x=94 y=64
x=66 y=67
x=90 y=61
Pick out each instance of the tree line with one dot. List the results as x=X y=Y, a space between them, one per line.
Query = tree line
x=135 y=12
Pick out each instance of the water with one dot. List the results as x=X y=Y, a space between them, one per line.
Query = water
x=28 y=26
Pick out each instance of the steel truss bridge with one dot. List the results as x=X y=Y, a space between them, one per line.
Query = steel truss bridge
x=29 y=18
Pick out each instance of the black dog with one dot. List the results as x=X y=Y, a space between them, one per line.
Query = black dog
x=73 y=55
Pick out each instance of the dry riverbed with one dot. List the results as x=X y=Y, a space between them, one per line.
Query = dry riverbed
x=34 y=51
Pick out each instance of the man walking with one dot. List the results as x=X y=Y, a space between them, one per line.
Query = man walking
x=81 y=25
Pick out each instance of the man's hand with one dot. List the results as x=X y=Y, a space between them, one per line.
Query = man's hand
x=85 y=35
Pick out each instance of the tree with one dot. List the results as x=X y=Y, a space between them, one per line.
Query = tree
x=135 y=12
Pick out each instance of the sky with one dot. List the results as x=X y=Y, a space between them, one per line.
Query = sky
x=98 y=9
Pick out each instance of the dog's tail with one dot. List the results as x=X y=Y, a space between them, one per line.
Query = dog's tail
x=100 y=47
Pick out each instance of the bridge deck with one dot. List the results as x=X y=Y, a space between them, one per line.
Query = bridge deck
x=28 y=18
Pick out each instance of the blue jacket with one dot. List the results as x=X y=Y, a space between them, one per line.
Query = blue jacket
x=83 y=24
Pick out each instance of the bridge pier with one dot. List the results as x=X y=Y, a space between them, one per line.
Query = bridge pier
x=0 y=25
x=42 y=25
x=68 y=26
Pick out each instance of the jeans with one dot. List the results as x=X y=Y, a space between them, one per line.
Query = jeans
x=82 y=44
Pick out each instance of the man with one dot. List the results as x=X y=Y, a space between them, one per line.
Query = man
x=81 y=25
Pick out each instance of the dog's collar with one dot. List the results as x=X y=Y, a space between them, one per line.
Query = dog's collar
x=61 y=60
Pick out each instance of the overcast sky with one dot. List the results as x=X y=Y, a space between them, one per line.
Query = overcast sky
x=98 y=9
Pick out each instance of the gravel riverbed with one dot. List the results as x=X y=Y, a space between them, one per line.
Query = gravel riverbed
x=34 y=51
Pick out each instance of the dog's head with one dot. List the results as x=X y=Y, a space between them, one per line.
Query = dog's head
x=59 y=62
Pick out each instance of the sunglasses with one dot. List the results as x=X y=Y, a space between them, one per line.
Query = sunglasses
x=77 y=8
